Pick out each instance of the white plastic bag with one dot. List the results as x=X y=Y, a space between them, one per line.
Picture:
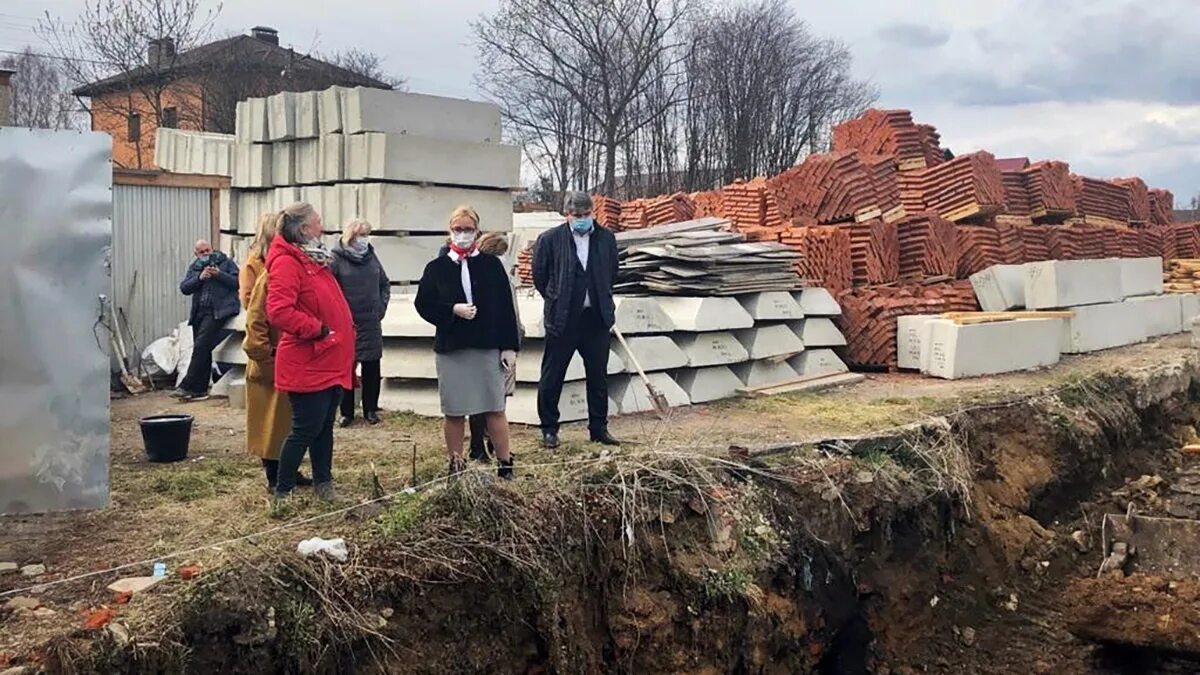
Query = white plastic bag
x=334 y=548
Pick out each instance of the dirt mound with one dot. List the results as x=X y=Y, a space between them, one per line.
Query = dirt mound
x=1138 y=611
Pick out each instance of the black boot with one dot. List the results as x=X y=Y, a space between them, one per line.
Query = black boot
x=505 y=472
x=604 y=438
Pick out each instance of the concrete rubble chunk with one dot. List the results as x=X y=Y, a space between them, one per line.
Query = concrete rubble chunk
x=8 y=567
x=957 y=351
x=653 y=353
x=35 y=570
x=1141 y=276
x=22 y=602
x=1000 y=288
x=446 y=119
x=1056 y=284
x=404 y=258
x=631 y=394
x=1164 y=314
x=135 y=585
x=767 y=341
x=395 y=157
x=764 y=373
x=702 y=314
x=818 y=332
x=817 y=302
x=703 y=385
x=641 y=315
x=420 y=208
x=772 y=306
x=719 y=348
x=1096 y=327
x=909 y=330
x=817 y=362
x=402 y=319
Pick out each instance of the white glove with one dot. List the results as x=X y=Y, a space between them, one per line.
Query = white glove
x=464 y=311
x=508 y=359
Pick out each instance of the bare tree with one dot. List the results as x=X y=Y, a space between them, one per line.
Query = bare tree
x=602 y=53
x=40 y=96
x=368 y=64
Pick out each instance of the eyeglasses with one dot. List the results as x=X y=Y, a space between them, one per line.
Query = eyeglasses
x=462 y=229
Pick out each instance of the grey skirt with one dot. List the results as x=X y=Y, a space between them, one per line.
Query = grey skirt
x=470 y=382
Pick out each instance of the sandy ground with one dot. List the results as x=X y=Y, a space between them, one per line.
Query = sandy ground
x=219 y=492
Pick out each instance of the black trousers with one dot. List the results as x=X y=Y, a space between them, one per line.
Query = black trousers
x=207 y=333
x=312 y=431
x=588 y=336
x=479 y=434
x=370 y=390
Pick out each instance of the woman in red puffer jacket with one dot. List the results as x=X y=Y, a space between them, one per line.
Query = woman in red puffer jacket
x=314 y=362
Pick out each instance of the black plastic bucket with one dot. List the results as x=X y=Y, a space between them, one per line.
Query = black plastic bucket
x=166 y=437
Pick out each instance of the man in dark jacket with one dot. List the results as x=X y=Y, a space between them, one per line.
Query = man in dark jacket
x=574 y=268
x=212 y=281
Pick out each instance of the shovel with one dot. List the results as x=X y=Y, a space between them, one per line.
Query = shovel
x=657 y=399
x=117 y=342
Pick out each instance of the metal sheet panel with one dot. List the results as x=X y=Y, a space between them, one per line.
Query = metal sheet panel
x=56 y=208
x=154 y=230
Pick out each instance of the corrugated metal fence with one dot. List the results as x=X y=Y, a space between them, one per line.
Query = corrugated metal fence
x=154 y=230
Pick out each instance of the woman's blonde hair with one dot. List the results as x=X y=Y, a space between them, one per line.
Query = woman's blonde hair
x=354 y=228
x=464 y=212
x=291 y=219
x=264 y=234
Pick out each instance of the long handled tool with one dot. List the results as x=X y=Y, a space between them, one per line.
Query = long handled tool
x=117 y=342
x=657 y=399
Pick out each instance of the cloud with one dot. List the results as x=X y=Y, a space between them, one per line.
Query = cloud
x=913 y=35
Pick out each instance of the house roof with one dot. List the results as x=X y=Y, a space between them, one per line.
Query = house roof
x=244 y=48
x=1013 y=163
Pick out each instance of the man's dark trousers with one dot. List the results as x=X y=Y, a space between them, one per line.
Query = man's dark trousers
x=586 y=334
x=207 y=333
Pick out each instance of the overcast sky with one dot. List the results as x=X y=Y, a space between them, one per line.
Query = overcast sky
x=1112 y=86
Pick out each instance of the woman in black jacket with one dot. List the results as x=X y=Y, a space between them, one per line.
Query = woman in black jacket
x=468 y=298
x=367 y=290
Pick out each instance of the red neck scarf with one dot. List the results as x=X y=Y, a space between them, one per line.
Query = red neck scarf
x=463 y=253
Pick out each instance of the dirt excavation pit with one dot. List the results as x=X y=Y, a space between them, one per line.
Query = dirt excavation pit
x=967 y=542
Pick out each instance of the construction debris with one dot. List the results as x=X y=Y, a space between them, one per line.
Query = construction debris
x=707 y=262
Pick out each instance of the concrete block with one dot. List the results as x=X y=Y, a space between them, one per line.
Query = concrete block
x=766 y=373
x=230 y=350
x=404 y=257
x=419 y=208
x=308 y=161
x=1000 y=287
x=909 y=340
x=225 y=213
x=631 y=395
x=767 y=341
x=402 y=319
x=351 y=201
x=433 y=117
x=772 y=306
x=281 y=116
x=394 y=157
x=250 y=120
x=333 y=217
x=251 y=166
x=719 y=348
x=817 y=362
x=329 y=113
x=313 y=194
x=653 y=353
x=1103 y=326
x=233 y=376
x=957 y=351
x=641 y=315
x=703 y=385
x=237 y=323
x=419 y=397
x=283 y=163
x=817 y=302
x=529 y=363
x=1190 y=305
x=572 y=407
x=331 y=153
x=1141 y=276
x=408 y=358
x=1164 y=314
x=306 y=110
x=818 y=332
x=705 y=314
x=1067 y=283
x=283 y=197
x=241 y=122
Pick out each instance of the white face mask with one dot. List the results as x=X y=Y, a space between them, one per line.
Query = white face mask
x=463 y=240
x=360 y=243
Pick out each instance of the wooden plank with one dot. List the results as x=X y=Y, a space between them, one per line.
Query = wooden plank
x=815 y=383
x=868 y=214
x=214 y=213
x=164 y=179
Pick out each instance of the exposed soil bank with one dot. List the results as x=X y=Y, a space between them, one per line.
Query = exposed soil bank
x=939 y=548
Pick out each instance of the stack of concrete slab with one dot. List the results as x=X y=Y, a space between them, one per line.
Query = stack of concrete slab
x=401 y=161
x=693 y=349
x=194 y=152
x=1113 y=302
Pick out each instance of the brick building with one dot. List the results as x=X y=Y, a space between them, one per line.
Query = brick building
x=198 y=89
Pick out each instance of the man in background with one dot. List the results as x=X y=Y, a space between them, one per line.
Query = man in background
x=212 y=282
x=574 y=269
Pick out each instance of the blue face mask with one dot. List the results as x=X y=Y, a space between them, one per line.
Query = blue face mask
x=582 y=224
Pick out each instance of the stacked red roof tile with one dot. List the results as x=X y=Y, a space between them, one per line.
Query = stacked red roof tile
x=1101 y=202
x=889 y=132
x=1162 y=207
x=1139 y=199
x=874 y=252
x=827 y=255
x=607 y=211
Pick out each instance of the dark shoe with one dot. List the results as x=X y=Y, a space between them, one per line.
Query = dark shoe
x=193 y=397
x=325 y=492
x=179 y=393
x=604 y=438
x=505 y=472
x=550 y=439
x=457 y=466
x=303 y=481
x=372 y=418
x=345 y=422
